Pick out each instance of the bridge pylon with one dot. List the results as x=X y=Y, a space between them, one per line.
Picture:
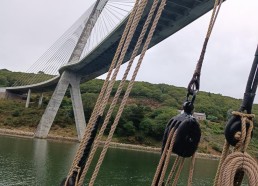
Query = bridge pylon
x=71 y=79
x=67 y=78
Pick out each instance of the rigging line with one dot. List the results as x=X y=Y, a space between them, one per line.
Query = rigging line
x=194 y=84
x=104 y=90
x=126 y=95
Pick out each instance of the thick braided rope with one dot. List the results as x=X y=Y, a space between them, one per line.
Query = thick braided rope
x=191 y=170
x=162 y=158
x=95 y=113
x=134 y=24
x=237 y=161
x=245 y=137
x=122 y=55
x=166 y=162
x=181 y=165
x=115 y=99
x=213 y=18
x=119 y=113
x=194 y=82
x=224 y=154
x=173 y=169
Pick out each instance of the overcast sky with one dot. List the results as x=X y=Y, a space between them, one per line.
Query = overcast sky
x=29 y=27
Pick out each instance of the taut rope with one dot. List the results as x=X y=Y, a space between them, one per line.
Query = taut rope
x=193 y=88
x=107 y=87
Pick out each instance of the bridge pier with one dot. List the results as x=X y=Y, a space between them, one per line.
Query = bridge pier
x=3 y=93
x=40 y=100
x=67 y=78
x=28 y=99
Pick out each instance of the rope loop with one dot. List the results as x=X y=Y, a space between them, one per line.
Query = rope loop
x=232 y=167
x=244 y=115
x=238 y=161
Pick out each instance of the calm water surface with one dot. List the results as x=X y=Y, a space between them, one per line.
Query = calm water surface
x=29 y=162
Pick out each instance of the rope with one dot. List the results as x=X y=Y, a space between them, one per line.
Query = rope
x=162 y=159
x=234 y=162
x=135 y=21
x=119 y=113
x=178 y=172
x=173 y=170
x=232 y=166
x=98 y=105
x=160 y=173
x=168 y=155
x=191 y=170
x=193 y=87
x=194 y=84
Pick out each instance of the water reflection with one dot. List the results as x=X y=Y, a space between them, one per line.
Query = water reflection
x=29 y=162
x=40 y=148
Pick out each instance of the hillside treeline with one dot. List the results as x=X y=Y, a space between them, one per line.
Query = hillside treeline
x=145 y=116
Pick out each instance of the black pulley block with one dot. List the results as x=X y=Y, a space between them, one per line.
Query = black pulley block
x=188 y=134
x=233 y=126
x=187 y=137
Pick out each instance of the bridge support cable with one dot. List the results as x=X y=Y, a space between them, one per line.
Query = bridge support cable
x=61 y=52
x=70 y=78
x=46 y=62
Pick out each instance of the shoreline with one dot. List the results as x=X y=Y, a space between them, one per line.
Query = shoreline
x=23 y=134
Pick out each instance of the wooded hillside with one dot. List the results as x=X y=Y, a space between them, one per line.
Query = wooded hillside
x=144 y=118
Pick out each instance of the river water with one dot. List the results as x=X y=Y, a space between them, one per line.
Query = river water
x=38 y=162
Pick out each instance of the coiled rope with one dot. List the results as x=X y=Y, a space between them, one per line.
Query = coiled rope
x=232 y=166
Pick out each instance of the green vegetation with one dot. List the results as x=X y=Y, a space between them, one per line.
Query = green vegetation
x=8 y=78
x=143 y=121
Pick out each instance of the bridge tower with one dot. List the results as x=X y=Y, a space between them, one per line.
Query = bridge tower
x=72 y=80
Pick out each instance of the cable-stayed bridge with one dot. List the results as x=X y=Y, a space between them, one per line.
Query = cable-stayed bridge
x=86 y=51
x=98 y=54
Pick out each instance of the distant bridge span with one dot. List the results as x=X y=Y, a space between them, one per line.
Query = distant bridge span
x=176 y=15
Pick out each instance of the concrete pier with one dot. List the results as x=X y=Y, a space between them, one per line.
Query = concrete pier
x=49 y=115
